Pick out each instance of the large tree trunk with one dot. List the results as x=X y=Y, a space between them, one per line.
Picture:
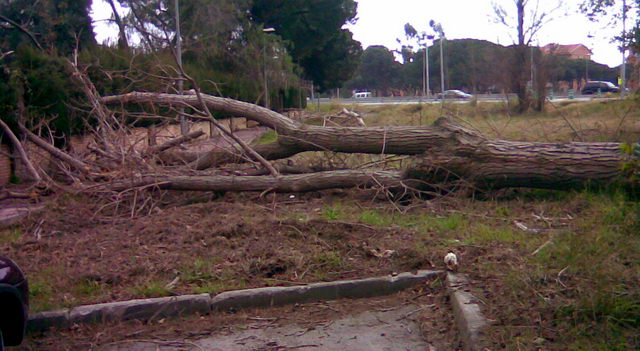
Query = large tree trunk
x=444 y=151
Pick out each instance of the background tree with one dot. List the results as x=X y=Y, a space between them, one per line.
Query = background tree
x=57 y=24
x=529 y=17
x=379 y=71
x=314 y=30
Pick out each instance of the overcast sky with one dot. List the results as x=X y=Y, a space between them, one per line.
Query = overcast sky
x=381 y=22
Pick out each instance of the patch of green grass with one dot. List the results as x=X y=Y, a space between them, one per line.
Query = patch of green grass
x=200 y=270
x=329 y=259
x=88 y=288
x=601 y=255
x=334 y=212
x=10 y=236
x=484 y=234
x=454 y=222
x=216 y=286
x=376 y=218
x=271 y=136
x=153 y=288
x=40 y=295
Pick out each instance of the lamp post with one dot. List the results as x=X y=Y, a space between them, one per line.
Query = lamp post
x=437 y=27
x=184 y=127
x=425 y=76
x=264 y=61
x=623 y=68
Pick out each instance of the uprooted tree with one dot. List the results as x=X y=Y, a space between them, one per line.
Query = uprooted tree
x=443 y=152
x=442 y=155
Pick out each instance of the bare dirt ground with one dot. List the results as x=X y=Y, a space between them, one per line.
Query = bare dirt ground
x=193 y=243
x=552 y=270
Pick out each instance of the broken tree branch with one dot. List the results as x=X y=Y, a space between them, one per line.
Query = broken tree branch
x=54 y=151
x=174 y=142
x=23 y=154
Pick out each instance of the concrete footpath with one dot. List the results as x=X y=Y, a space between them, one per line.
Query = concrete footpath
x=368 y=331
x=372 y=330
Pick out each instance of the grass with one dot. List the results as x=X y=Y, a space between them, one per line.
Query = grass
x=153 y=288
x=270 y=136
x=9 y=236
x=587 y=280
x=333 y=212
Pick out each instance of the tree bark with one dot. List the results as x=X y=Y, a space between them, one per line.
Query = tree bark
x=444 y=151
x=122 y=34
x=282 y=183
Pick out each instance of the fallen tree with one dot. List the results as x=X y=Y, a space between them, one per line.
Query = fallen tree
x=443 y=152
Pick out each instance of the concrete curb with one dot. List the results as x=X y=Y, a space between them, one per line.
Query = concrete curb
x=266 y=297
x=165 y=307
x=471 y=323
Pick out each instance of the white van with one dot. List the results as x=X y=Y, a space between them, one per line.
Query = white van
x=362 y=95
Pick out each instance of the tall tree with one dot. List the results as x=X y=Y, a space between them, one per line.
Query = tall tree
x=378 y=71
x=314 y=30
x=530 y=16
x=56 y=24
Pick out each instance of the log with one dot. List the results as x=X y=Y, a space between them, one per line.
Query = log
x=444 y=151
x=282 y=183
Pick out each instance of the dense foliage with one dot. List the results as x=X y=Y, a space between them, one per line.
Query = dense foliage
x=225 y=49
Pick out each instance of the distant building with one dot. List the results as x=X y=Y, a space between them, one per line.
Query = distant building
x=574 y=51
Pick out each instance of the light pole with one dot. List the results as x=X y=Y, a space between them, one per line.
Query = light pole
x=425 y=68
x=442 y=66
x=425 y=76
x=438 y=28
x=264 y=61
x=623 y=68
x=184 y=127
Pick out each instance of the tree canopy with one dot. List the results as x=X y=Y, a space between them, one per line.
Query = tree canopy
x=316 y=38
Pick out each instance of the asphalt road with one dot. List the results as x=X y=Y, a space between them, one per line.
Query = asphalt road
x=399 y=100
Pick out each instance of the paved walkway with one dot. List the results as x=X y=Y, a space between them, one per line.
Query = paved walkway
x=393 y=330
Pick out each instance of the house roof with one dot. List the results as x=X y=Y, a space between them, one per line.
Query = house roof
x=564 y=49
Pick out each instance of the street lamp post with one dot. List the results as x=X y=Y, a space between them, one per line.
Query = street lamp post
x=264 y=61
x=442 y=66
x=425 y=67
x=184 y=127
x=623 y=68
x=425 y=77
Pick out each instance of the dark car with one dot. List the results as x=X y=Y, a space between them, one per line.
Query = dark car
x=14 y=303
x=594 y=87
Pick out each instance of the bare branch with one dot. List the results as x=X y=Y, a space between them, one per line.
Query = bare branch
x=23 y=154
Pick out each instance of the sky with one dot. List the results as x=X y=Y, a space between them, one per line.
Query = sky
x=381 y=22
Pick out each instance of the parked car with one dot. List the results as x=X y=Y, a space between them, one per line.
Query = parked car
x=14 y=303
x=604 y=87
x=455 y=94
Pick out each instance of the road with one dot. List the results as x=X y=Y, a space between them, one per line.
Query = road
x=399 y=100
